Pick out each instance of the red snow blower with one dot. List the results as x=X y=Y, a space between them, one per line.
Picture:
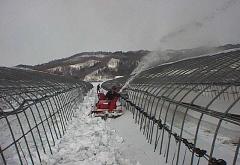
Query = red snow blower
x=106 y=107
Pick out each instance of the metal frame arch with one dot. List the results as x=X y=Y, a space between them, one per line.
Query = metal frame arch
x=183 y=84
x=26 y=91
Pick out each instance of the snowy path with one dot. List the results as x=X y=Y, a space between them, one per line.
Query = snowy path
x=88 y=141
x=135 y=144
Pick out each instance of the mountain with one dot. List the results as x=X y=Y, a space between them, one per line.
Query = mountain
x=93 y=66
x=97 y=66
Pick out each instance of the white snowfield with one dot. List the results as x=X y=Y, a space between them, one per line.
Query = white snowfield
x=89 y=141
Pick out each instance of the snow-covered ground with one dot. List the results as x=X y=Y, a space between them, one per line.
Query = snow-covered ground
x=93 y=141
x=89 y=141
x=135 y=144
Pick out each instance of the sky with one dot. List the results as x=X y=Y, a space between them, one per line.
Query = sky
x=37 y=31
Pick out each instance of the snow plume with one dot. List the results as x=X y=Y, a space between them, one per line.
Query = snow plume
x=150 y=60
x=190 y=28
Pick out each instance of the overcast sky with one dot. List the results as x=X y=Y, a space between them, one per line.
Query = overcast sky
x=36 y=31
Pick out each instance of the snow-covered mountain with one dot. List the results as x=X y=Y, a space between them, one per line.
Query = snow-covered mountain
x=94 y=66
x=97 y=66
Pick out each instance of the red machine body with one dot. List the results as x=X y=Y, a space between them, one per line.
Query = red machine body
x=107 y=108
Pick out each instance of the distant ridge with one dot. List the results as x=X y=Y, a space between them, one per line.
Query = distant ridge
x=100 y=65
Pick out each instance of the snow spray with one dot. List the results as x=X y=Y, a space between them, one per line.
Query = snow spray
x=150 y=60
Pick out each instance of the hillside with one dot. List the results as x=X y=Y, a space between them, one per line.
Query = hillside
x=97 y=66
x=93 y=66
